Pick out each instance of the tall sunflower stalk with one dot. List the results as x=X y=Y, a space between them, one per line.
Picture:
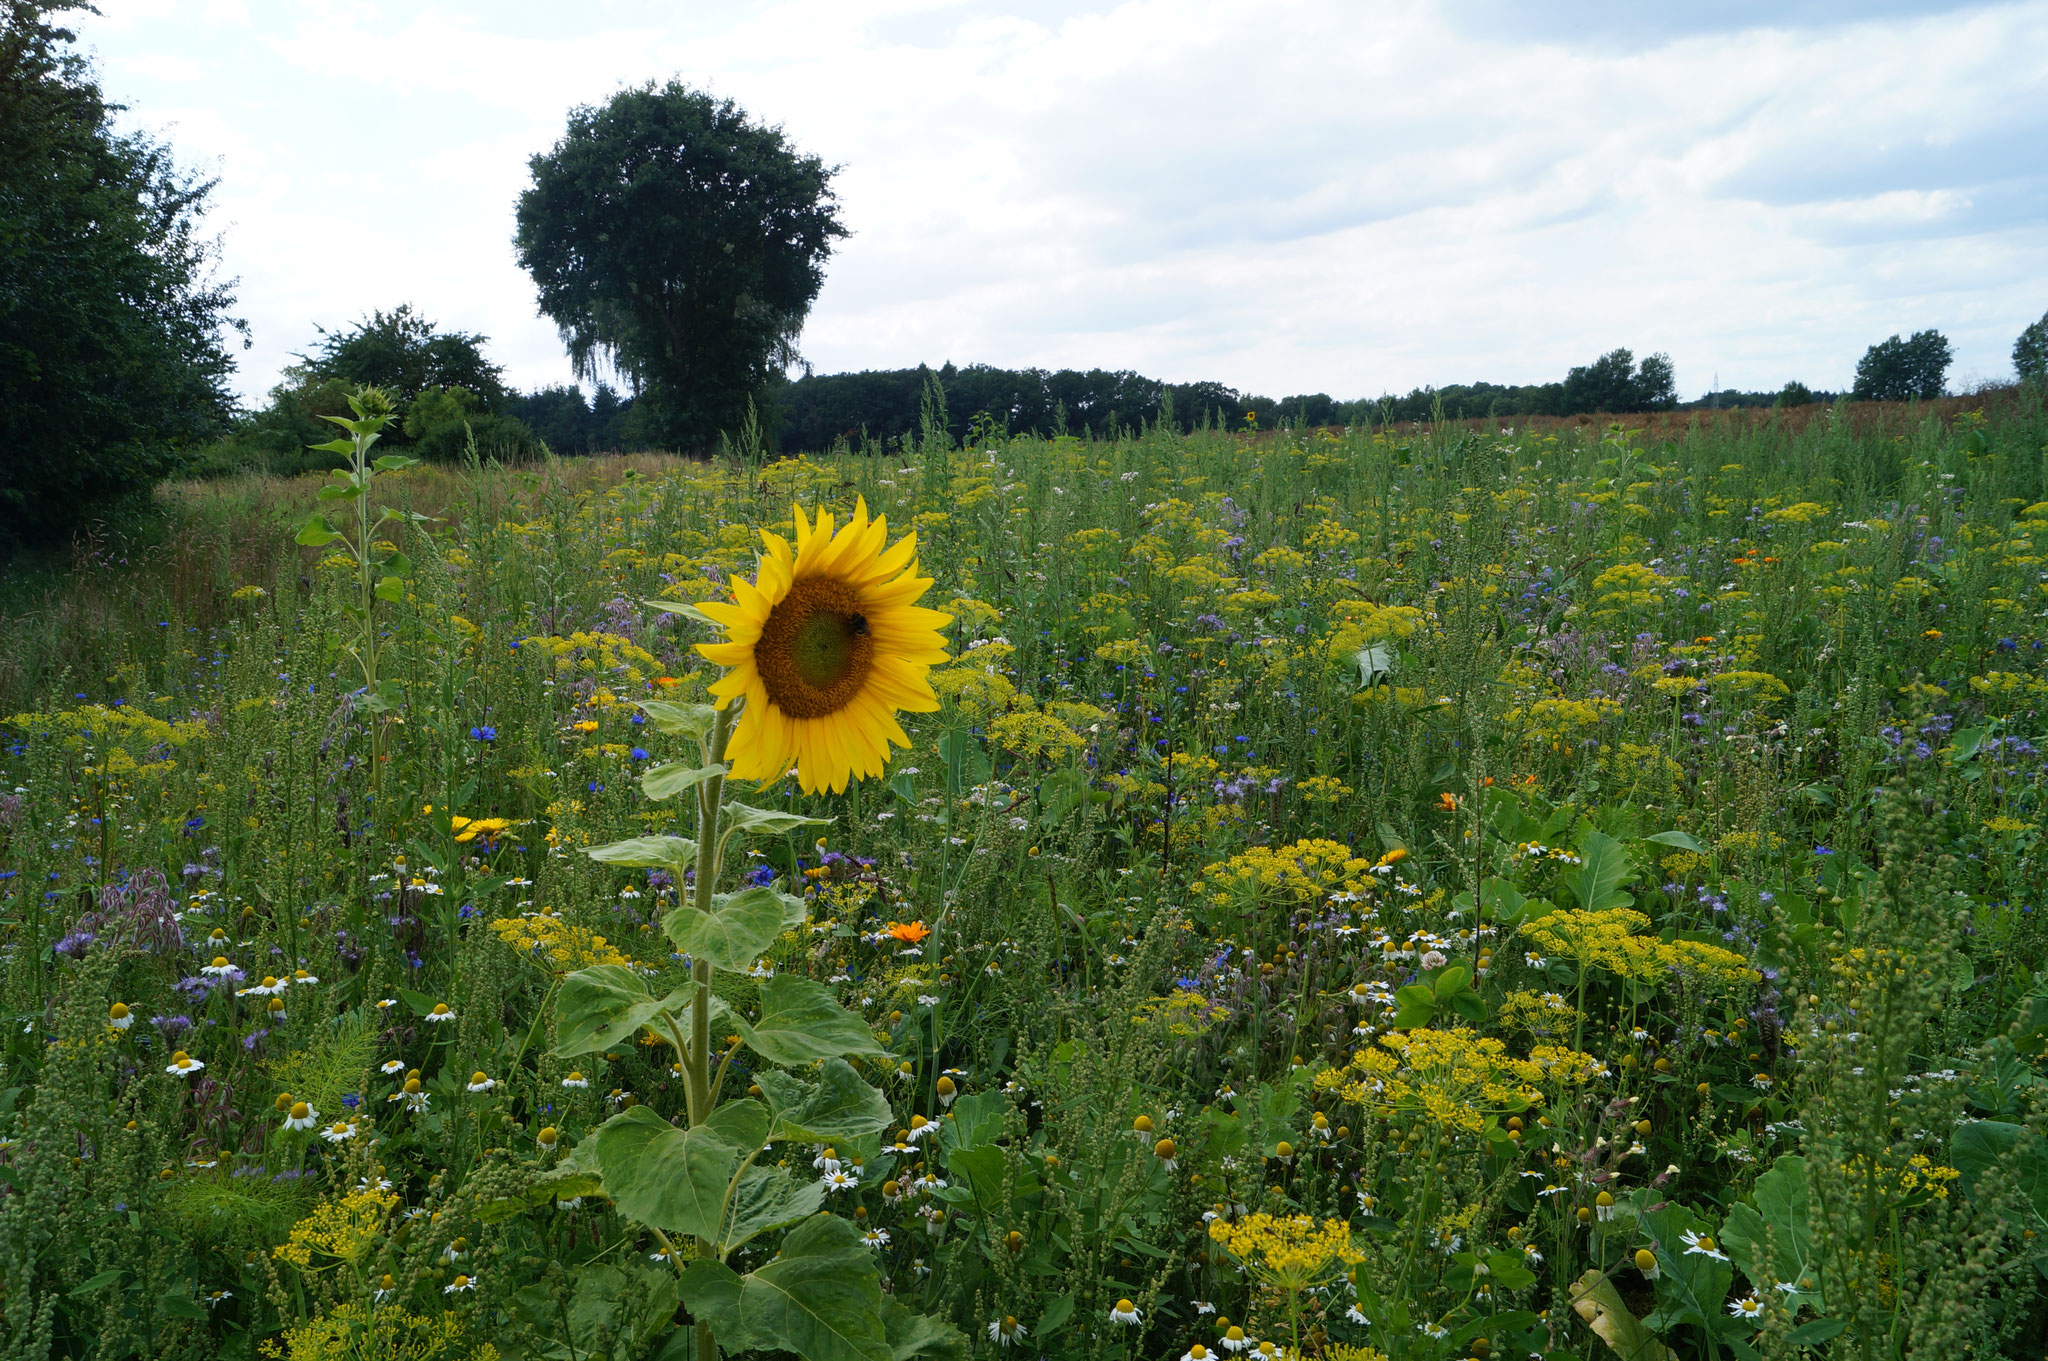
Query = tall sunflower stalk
x=821 y=650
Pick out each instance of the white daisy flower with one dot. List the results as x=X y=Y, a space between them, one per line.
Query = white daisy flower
x=876 y=1238
x=1233 y=1340
x=478 y=1082
x=340 y=1132
x=576 y=1082
x=441 y=1013
x=841 y=1181
x=301 y=1116
x=1749 y=1307
x=1698 y=1244
x=1124 y=1313
x=119 y=1017
x=1005 y=1331
x=460 y=1283
x=183 y=1065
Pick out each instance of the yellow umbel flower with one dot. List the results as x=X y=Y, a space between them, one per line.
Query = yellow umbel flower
x=825 y=645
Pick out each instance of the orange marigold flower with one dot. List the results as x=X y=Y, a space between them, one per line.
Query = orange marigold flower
x=910 y=933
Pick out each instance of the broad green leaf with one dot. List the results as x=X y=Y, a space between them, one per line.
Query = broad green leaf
x=336 y=492
x=391 y=463
x=802 y=1023
x=397 y=564
x=673 y=1179
x=712 y=1291
x=769 y=1198
x=316 y=532
x=1452 y=980
x=1374 y=664
x=821 y=1298
x=732 y=935
x=605 y=1005
x=742 y=1123
x=1597 y=882
x=1684 y=841
x=1770 y=1235
x=1595 y=1300
x=334 y=446
x=674 y=853
x=389 y=589
x=840 y=1105
x=1055 y=1316
x=668 y=780
x=978 y=1119
x=912 y=1334
x=1693 y=1285
x=769 y=820
x=680 y=720
x=1815 y=1331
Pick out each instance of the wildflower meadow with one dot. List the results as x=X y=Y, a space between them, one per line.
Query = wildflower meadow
x=1343 y=894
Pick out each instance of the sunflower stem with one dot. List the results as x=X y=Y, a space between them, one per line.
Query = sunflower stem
x=697 y=1062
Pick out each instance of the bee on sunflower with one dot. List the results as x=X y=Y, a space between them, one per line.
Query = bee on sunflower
x=825 y=646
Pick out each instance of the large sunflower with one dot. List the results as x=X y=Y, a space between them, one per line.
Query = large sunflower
x=825 y=644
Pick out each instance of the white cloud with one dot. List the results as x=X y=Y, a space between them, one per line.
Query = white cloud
x=1285 y=196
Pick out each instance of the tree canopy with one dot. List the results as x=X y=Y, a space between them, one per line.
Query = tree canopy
x=112 y=361
x=678 y=242
x=405 y=354
x=1896 y=370
x=2030 y=351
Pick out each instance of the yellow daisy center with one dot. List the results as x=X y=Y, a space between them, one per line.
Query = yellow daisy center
x=815 y=649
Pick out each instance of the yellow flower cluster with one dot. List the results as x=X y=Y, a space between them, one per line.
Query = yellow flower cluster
x=346 y=1229
x=1550 y=722
x=1607 y=940
x=1361 y=624
x=589 y=653
x=1326 y=789
x=554 y=944
x=1920 y=1173
x=1539 y=1013
x=355 y=1331
x=1033 y=732
x=1306 y=871
x=1291 y=1252
x=1185 y=1014
x=1451 y=1079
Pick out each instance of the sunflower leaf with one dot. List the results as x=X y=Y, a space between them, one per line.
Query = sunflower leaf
x=840 y=1106
x=802 y=1023
x=674 y=853
x=732 y=935
x=773 y=821
x=680 y=720
x=672 y=778
x=821 y=1298
x=600 y=1006
x=673 y=1179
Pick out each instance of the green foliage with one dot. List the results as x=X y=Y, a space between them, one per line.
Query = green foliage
x=112 y=362
x=674 y=239
x=2030 y=351
x=1896 y=370
x=406 y=355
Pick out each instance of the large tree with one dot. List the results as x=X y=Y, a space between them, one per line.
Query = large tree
x=1896 y=370
x=405 y=354
x=111 y=319
x=680 y=243
x=2030 y=351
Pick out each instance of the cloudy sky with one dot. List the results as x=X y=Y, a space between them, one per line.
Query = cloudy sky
x=1283 y=195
